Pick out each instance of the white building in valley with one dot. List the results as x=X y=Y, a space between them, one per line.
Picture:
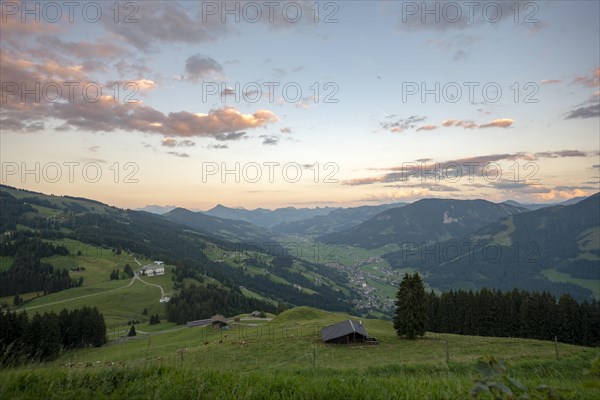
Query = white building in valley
x=155 y=269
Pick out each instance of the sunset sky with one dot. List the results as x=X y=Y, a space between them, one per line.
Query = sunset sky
x=383 y=101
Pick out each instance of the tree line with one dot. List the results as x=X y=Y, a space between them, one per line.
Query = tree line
x=44 y=336
x=490 y=312
x=195 y=302
x=517 y=313
x=28 y=273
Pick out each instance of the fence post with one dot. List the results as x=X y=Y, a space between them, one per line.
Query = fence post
x=556 y=346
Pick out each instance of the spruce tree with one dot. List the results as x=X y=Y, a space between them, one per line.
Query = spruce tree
x=411 y=307
x=132 y=331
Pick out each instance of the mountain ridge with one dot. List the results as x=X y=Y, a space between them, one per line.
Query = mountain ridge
x=425 y=220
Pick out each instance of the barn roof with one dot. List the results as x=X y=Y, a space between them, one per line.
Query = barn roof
x=200 y=322
x=219 y=318
x=342 y=329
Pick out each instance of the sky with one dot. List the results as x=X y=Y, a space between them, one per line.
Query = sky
x=303 y=104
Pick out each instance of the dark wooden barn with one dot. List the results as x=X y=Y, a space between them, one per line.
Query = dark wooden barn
x=346 y=332
x=219 y=322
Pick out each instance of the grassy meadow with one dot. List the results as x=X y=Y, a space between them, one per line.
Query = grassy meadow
x=284 y=358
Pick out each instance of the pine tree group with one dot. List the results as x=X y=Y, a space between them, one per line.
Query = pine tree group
x=44 y=336
x=411 y=307
x=516 y=313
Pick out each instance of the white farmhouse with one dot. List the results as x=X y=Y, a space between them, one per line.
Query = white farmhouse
x=155 y=269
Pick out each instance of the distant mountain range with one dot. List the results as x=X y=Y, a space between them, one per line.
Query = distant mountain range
x=424 y=221
x=315 y=221
x=156 y=209
x=574 y=200
x=522 y=250
x=268 y=218
x=336 y=220
x=226 y=228
x=466 y=244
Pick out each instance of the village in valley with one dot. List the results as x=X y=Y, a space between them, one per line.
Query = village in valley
x=368 y=276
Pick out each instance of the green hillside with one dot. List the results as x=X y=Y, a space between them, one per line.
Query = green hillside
x=97 y=240
x=424 y=221
x=555 y=249
x=284 y=358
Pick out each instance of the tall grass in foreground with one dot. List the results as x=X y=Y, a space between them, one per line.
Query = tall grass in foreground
x=416 y=381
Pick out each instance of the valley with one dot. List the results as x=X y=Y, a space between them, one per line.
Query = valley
x=364 y=278
x=271 y=272
x=299 y=200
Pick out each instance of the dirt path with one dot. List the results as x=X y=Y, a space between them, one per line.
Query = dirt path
x=162 y=292
x=80 y=297
x=135 y=277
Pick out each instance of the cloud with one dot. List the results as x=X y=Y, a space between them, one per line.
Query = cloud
x=457 y=16
x=561 y=154
x=269 y=140
x=218 y=146
x=21 y=113
x=94 y=160
x=199 y=66
x=143 y=85
x=101 y=50
x=498 y=123
x=93 y=149
x=306 y=102
x=464 y=167
x=400 y=125
x=571 y=188
x=520 y=186
x=550 y=81
x=164 y=22
x=168 y=142
x=10 y=124
x=228 y=91
x=286 y=130
x=186 y=143
x=555 y=194
x=139 y=67
x=467 y=124
x=591 y=111
x=177 y=154
x=426 y=128
x=432 y=187
x=591 y=81
x=370 y=180
x=459 y=123
x=222 y=137
x=410 y=195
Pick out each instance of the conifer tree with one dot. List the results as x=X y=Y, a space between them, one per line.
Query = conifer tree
x=411 y=307
x=132 y=331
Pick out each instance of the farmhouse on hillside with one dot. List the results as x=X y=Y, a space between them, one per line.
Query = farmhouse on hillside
x=346 y=332
x=158 y=268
